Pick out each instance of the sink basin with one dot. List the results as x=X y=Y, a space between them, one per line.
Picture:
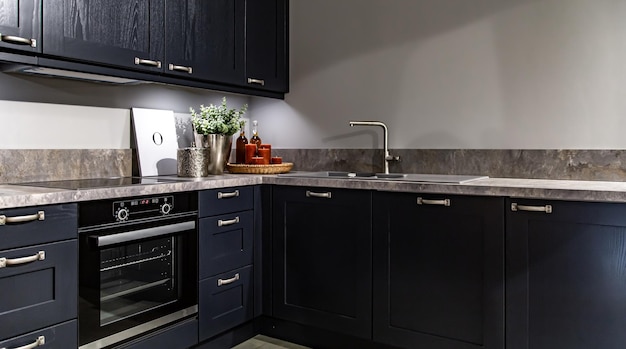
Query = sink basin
x=405 y=177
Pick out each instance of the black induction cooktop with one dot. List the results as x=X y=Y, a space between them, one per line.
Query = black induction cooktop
x=93 y=183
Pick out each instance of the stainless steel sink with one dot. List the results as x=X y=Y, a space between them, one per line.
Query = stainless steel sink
x=405 y=177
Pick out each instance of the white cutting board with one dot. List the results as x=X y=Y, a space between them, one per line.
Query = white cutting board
x=155 y=136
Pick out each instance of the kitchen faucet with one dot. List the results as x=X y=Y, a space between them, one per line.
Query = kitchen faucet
x=387 y=156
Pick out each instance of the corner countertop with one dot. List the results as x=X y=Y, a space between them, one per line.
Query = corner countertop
x=602 y=191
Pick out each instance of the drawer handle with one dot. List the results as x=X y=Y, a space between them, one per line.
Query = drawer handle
x=312 y=194
x=221 y=282
x=515 y=207
x=40 y=341
x=180 y=68
x=256 y=81
x=148 y=62
x=221 y=195
x=222 y=223
x=18 y=40
x=40 y=256
x=39 y=216
x=444 y=202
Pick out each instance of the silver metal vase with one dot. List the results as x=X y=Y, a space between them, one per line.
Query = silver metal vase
x=219 y=152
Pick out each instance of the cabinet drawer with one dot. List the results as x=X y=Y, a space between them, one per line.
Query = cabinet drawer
x=224 y=200
x=225 y=301
x=62 y=336
x=225 y=243
x=37 y=225
x=39 y=293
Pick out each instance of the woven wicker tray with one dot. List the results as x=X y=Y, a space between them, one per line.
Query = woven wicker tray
x=260 y=169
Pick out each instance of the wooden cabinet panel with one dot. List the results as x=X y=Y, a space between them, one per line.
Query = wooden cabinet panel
x=62 y=336
x=266 y=44
x=322 y=258
x=38 y=293
x=113 y=32
x=225 y=200
x=20 y=25
x=566 y=285
x=205 y=39
x=438 y=271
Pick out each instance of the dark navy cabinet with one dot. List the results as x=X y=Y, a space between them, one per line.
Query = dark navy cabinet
x=321 y=241
x=438 y=271
x=226 y=253
x=566 y=279
x=20 y=25
x=129 y=34
x=38 y=274
x=266 y=45
x=205 y=40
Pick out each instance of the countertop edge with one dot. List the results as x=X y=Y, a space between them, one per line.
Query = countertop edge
x=598 y=191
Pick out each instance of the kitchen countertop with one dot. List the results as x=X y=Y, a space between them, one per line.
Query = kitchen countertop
x=604 y=191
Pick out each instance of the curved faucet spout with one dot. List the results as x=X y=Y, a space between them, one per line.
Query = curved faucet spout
x=387 y=156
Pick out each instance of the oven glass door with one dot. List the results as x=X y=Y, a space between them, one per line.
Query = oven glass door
x=128 y=284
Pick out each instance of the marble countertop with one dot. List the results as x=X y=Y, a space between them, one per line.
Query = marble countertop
x=604 y=191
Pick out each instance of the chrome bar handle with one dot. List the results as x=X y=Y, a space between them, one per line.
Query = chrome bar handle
x=221 y=282
x=18 y=40
x=312 y=194
x=222 y=223
x=444 y=202
x=180 y=68
x=39 y=216
x=41 y=340
x=233 y=194
x=256 y=81
x=133 y=235
x=39 y=256
x=515 y=207
x=148 y=62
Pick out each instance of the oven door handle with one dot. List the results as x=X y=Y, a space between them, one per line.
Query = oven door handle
x=112 y=239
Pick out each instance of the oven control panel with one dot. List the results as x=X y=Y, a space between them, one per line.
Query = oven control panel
x=142 y=208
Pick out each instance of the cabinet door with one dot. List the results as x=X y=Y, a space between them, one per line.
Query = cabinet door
x=322 y=258
x=126 y=33
x=566 y=279
x=266 y=44
x=205 y=39
x=438 y=271
x=20 y=25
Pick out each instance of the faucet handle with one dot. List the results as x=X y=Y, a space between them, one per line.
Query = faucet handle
x=392 y=158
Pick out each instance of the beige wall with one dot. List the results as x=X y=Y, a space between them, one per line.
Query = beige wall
x=454 y=74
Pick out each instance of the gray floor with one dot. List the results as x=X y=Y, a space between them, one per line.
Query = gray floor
x=264 y=342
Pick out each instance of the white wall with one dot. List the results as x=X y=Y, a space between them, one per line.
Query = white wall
x=453 y=74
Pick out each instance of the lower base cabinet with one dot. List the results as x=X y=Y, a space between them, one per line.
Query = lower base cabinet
x=566 y=275
x=62 y=336
x=225 y=302
x=438 y=271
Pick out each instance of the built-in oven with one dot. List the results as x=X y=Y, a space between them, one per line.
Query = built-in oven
x=137 y=266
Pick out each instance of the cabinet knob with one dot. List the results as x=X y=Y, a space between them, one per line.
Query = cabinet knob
x=39 y=256
x=312 y=194
x=180 y=68
x=221 y=282
x=443 y=202
x=148 y=62
x=39 y=216
x=17 y=40
x=221 y=195
x=256 y=81
x=515 y=207
x=41 y=340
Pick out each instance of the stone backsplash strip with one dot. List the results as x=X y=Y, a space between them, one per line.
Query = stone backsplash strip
x=17 y=166
x=32 y=165
x=598 y=165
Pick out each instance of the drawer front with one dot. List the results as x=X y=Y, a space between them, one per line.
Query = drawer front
x=225 y=302
x=39 y=293
x=62 y=336
x=225 y=243
x=37 y=225
x=224 y=200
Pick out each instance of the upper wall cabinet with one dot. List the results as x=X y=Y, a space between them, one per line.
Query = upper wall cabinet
x=205 y=39
x=266 y=44
x=126 y=33
x=20 y=25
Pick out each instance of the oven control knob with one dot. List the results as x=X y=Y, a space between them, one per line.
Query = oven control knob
x=166 y=208
x=122 y=214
